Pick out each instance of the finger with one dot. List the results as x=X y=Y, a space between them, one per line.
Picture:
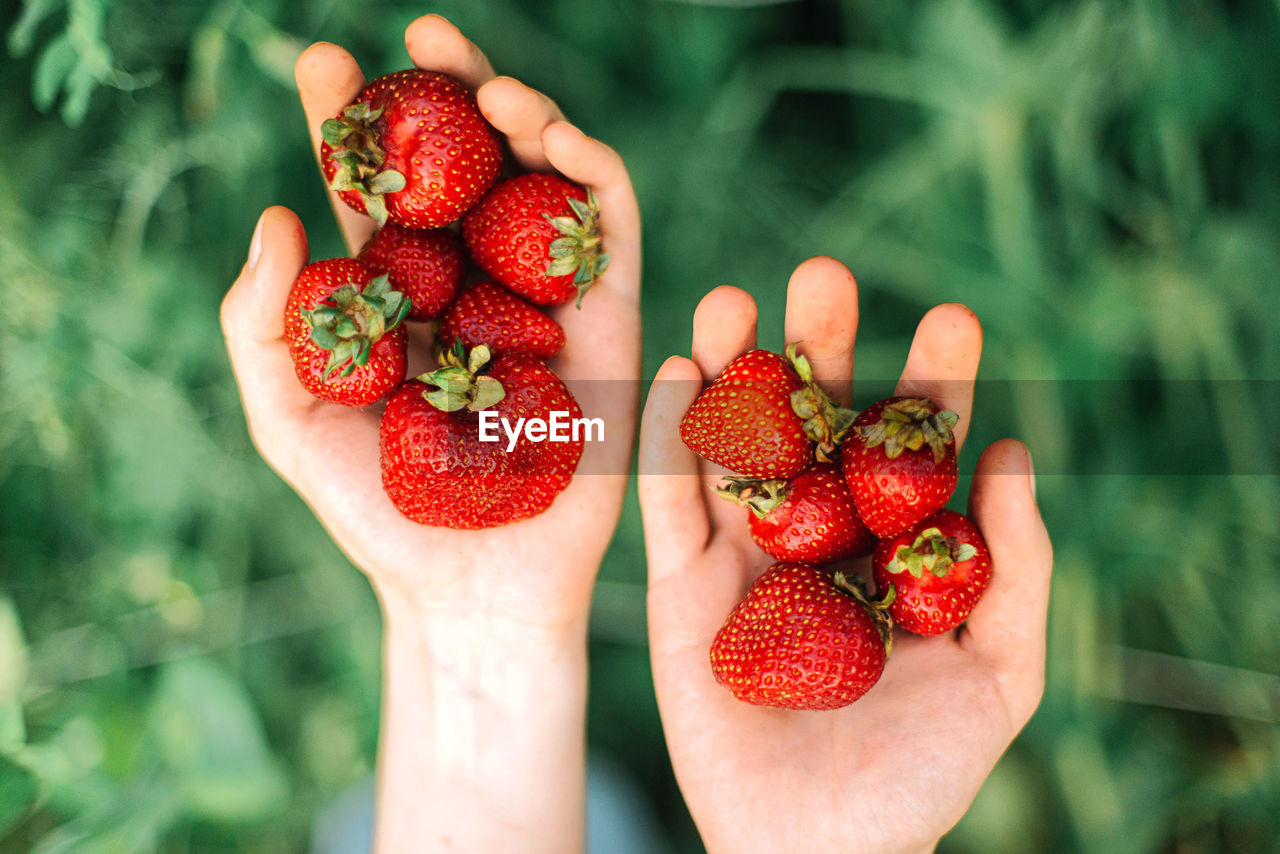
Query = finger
x=521 y=113
x=593 y=164
x=434 y=44
x=690 y=590
x=822 y=314
x=328 y=80
x=943 y=362
x=671 y=501
x=1008 y=624
x=724 y=327
x=253 y=324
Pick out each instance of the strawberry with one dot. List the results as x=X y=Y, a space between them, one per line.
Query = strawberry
x=801 y=639
x=344 y=331
x=808 y=519
x=900 y=462
x=436 y=470
x=488 y=314
x=425 y=266
x=761 y=416
x=412 y=147
x=539 y=235
x=932 y=574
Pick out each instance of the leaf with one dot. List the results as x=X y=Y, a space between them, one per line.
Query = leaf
x=210 y=738
x=13 y=728
x=580 y=209
x=334 y=132
x=33 y=13
x=56 y=62
x=13 y=652
x=18 y=792
x=389 y=181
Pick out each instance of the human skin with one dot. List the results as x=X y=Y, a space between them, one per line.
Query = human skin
x=482 y=739
x=895 y=770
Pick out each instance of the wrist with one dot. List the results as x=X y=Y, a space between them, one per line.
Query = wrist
x=483 y=740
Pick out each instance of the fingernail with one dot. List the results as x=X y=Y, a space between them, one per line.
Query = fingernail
x=255 y=245
x=1031 y=473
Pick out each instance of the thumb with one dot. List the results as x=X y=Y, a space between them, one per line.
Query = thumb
x=1008 y=625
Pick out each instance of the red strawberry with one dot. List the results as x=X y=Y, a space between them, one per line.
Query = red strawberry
x=808 y=519
x=413 y=147
x=539 y=235
x=434 y=466
x=932 y=575
x=759 y=417
x=425 y=266
x=801 y=640
x=344 y=331
x=900 y=462
x=488 y=314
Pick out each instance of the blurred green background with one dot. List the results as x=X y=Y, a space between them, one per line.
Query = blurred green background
x=188 y=665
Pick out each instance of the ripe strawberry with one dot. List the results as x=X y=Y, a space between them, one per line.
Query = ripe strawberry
x=488 y=314
x=539 y=235
x=808 y=519
x=932 y=575
x=413 y=147
x=425 y=266
x=434 y=466
x=760 y=417
x=801 y=640
x=344 y=331
x=900 y=462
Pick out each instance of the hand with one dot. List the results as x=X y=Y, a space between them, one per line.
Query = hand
x=330 y=453
x=897 y=769
x=486 y=650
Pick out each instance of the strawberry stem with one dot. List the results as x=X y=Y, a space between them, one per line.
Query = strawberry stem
x=359 y=157
x=824 y=422
x=578 y=249
x=351 y=321
x=758 y=495
x=458 y=383
x=910 y=424
x=879 y=610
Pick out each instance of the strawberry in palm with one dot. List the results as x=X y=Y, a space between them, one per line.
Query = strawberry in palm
x=491 y=315
x=538 y=235
x=931 y=575
x=801 y=639
x=344 y=331
x=807 y=519
x=763 y=415
x=900 y=462
x=425 y=266
x=412 y=147
x=436 y=470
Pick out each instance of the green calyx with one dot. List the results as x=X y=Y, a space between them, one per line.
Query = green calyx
x=350 y=322
x=579 y=249
x=931 y=552
x=824 y=422
x=360 y=158
x=458 y=383
x=910 y=424
x=761 y=497
x=878 y=609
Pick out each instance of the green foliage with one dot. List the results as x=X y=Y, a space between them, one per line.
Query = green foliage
x=184 y=669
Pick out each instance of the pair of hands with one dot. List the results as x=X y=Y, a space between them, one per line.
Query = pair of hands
x=893 y=772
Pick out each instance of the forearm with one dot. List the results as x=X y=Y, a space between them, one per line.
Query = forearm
x=483 y=730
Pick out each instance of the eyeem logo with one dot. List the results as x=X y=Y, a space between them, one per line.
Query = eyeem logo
x=560 y=428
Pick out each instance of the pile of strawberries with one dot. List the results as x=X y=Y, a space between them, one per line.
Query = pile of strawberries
x=823 y=485
x=414 y=152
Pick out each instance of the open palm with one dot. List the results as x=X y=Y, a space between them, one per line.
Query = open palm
x=329 y=453
x=897 y=769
